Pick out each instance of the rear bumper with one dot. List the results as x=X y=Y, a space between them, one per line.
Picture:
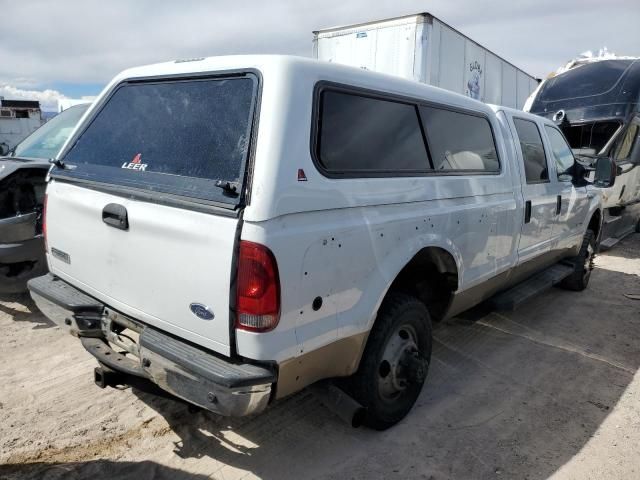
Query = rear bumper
x=178 y=367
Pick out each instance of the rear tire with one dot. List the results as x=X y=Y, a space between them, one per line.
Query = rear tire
x=395 y=361
x=582 y=264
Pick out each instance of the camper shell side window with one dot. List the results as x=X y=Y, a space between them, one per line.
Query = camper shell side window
x=362 y=133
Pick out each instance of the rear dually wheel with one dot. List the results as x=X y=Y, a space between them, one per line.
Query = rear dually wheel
x=395 y=361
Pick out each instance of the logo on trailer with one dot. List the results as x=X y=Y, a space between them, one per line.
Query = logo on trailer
x=475 y=67
x=474 y=83
x=135 y=163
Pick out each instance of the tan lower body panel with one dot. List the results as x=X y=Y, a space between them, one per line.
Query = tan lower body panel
x=338 y=359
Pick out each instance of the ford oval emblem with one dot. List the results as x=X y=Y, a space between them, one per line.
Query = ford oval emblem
x=201 y=311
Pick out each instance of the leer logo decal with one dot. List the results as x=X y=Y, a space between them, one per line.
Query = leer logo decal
x=135 y=163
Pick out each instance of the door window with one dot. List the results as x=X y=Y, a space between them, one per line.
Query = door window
x=535 y=162
x=561 y=151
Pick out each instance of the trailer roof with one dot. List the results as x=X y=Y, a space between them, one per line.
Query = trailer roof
x=429 y=19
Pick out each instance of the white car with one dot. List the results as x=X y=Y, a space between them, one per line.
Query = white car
x=22 y=187
x=235 y=229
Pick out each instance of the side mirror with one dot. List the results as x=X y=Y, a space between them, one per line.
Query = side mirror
x=605 y=172
x=565 y=177
x=4 y=149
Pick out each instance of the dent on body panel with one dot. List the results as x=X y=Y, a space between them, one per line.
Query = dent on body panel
x=369 y=256
x=333 y=274
x=473 y=226
x=349 y=266
x=475 y=214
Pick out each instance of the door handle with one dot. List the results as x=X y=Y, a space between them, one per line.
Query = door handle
x=558 y=204
x=527 y=211
x=115 y=215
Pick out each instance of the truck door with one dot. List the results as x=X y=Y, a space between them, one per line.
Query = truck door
x=572 y=204
x=537 y=191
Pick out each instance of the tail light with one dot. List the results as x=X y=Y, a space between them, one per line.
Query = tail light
x=44 y=222
x=258 y=289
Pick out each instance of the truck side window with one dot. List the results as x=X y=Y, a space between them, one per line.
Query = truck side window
x=535 y=162
x=459 y=141
x=362 y=135
x=561 y=150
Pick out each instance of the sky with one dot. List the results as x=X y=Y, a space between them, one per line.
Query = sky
x=72 y=48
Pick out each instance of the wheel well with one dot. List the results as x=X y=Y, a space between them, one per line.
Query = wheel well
x=594 y=223
x=432 y=277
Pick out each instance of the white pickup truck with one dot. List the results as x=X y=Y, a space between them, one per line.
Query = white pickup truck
x=235 y=229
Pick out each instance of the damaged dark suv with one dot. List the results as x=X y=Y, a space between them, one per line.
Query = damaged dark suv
x=596 y=104
x=22 y=187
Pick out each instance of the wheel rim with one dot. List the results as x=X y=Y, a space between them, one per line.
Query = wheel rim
x=588 y=261
x=401 y=365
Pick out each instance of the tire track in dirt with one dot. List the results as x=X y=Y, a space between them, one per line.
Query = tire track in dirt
x=107 y=447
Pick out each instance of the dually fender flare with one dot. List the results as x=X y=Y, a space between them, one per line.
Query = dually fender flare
x=400 y=261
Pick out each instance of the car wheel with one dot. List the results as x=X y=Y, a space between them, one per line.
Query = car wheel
x=395 y=361
x=582 y=264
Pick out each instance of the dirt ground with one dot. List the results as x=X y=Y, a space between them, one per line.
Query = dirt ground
x=551 y=390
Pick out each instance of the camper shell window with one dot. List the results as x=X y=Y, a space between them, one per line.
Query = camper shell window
x=459 y=141
x=185 y=137
x=360 y=133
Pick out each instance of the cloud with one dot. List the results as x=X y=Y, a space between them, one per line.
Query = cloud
x=89 y=41
x=48 y=98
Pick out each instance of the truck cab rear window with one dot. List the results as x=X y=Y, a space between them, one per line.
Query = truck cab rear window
x=177 y=137
x=363 y=135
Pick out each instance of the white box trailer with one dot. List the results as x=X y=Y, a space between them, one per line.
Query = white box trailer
x=425 y=49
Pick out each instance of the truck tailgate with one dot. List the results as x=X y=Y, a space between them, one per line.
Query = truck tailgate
x=167 y=260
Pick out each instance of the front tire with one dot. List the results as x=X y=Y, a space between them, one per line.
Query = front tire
x=582 y=264
x=395 y=361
